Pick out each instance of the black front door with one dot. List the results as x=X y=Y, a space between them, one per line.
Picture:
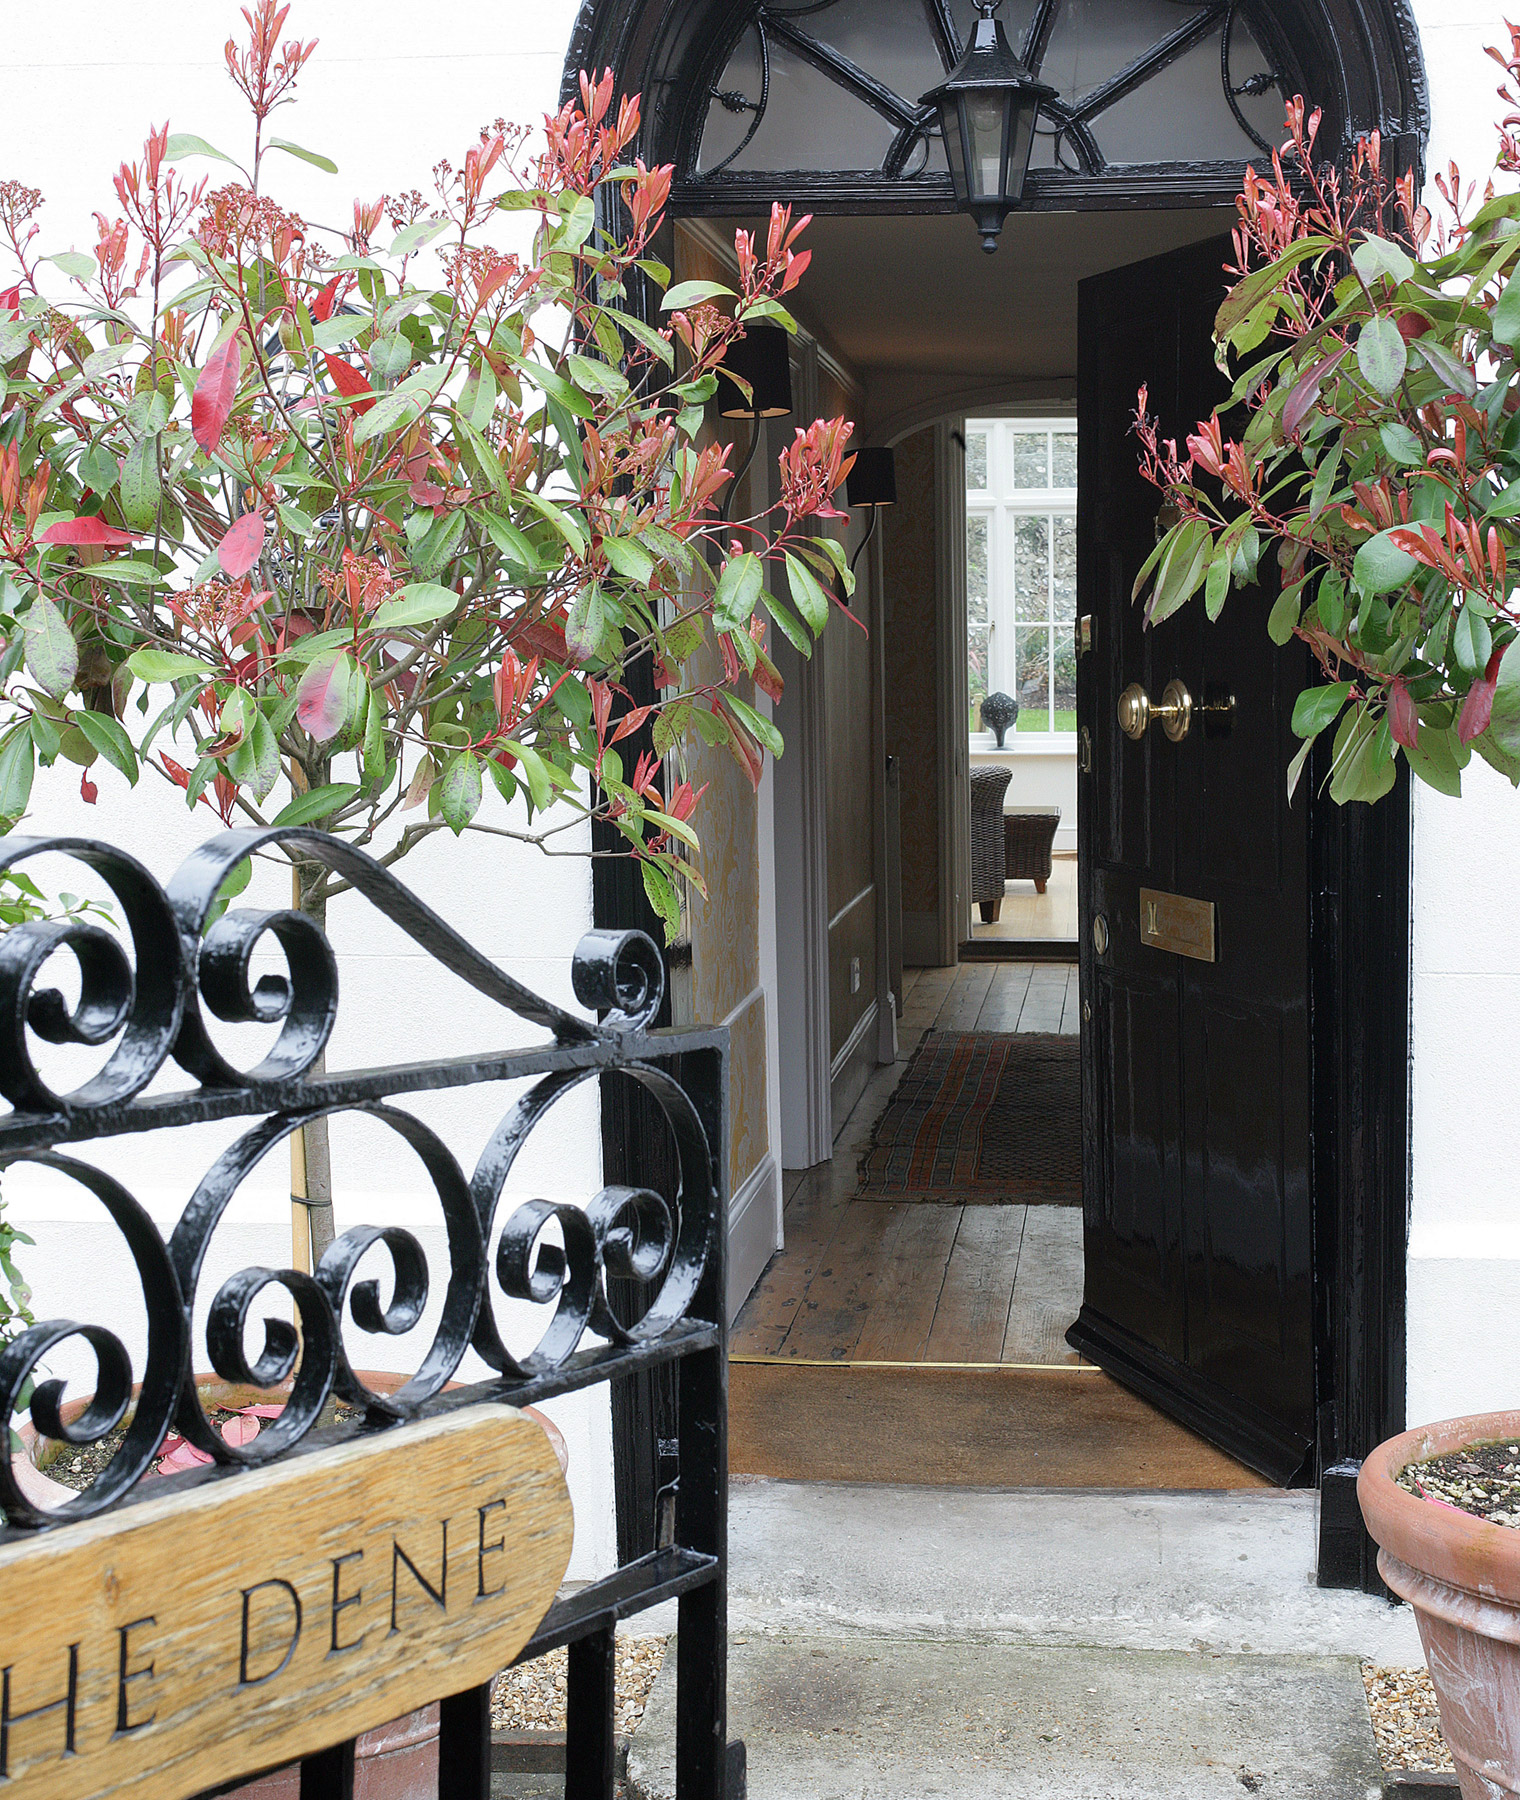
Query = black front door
x=1198 y=1225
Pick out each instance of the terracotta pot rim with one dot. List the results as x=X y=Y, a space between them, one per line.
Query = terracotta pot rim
x=1469 y=1553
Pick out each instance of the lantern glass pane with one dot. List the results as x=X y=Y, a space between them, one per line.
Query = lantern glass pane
x=984 y=123
x=950 y=124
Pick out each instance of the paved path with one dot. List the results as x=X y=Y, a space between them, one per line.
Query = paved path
x=900 y=1643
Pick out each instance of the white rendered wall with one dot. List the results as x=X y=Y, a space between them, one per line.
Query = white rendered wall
x=387 y=94
x=1464 y=1247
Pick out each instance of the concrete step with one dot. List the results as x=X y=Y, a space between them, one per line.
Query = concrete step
x=1222 y=1573
x=860 y=1718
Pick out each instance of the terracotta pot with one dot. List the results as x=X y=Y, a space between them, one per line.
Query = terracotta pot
x=398 y=1761
x=1462 y=1577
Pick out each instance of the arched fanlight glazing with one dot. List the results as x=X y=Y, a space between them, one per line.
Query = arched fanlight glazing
x=836 y=85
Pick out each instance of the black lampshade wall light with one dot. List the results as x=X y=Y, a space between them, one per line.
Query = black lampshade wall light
x=987 y=111
x=871 y=482
x=762 y=360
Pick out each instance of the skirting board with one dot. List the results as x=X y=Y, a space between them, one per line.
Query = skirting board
x=753 y=1214
x=853 y=1067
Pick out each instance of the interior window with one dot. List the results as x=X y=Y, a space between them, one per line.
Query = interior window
x=1021 y=569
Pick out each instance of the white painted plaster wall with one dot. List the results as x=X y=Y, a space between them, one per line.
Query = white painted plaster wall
x=389 y=91
x=1464 y=1246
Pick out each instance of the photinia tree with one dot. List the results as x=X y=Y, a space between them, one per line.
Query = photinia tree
x=335 y=527
x=1379 y=461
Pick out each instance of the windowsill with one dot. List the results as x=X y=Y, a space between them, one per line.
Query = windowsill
x=1026 y=743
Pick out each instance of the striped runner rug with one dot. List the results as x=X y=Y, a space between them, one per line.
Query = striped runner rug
x=982 y=1117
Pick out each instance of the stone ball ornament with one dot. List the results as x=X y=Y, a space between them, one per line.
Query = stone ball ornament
x=999 y=712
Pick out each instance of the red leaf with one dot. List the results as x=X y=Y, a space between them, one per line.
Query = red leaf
x=321 y=307
x=240 y=1429
x=349 y=382
x=88 y=792
x=240 y=549
x=215 y=390
x=426 y=493
x=10 y=303
x=262 y=1411
x=322 y=697
x=180 y=1454
x=1478 y=708
x=90 y=531
x=1403 y=720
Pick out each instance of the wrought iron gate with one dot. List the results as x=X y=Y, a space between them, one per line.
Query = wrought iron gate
x=154 y=1007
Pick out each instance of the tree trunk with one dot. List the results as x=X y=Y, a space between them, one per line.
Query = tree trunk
x=311 y=1145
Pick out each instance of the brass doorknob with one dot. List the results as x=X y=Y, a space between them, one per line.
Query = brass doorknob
x=1174 y=710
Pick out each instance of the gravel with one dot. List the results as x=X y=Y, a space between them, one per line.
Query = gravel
x=532 y=1697
x=1481 y=1479
x=1405 y=1720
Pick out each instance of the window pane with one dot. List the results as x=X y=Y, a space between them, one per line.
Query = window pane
x=1066 y=681
x=1093 y=40
x=890 y=39
x=810 y=121
x=1181 y=111
x=1066 y=568
x=1031 y=568
x=976 y=461
x=1031 y=463
x=1033 y=663
x=977 y=615
x=1066 y=460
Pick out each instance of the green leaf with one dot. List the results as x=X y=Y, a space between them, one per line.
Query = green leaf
x=1181 y=570
x=1296 y=767
x=1248 y=294
x=411 y=238
x=1375 y=257
x=310 y=156
x=138 y=488
x=552 y=383
x=401 y=407
x=794 y=633
x=510 y=541
x=1449 y=368
x=164 y=665
x=98 y=468
x=1283 y=617
x=688 y=293
x=755 y=723
x=1317 y=707
x=255 y=763
x=1217 y=584
x=738 y=589
x=185 y=143
x=52 y=656
x=568 y=527
x=459 y=792
x=107 y=736
x=1471 y=641
x=390 y=357
x=1506 y=319
x=75 y=263
x=485 y=457
x=577 y=221
x=129 y=571
x=1363 y=766
x=1507 y=505
x=663 y=898
x=1437 y=759
x=631 y=560
x=587 y=624
x=317 y=804
x=18 y=763
x=807 y=595
x=1382 y=355
x=535 y=772
x=418 y=603
x=1381 y=566
x=1402 y=444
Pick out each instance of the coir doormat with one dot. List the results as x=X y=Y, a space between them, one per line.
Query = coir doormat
x=982 y=1117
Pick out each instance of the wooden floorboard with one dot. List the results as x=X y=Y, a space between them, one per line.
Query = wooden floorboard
x=963 y=1004
x=1005 y=997
x=813 y=1214
x=907 y=1295
x=1012 y=1428
x=971 y=1320
x=1047 y=1287
x=828 y=1323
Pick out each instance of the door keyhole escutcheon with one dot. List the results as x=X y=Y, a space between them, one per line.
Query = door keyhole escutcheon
x=1100 y=934
x=1174 y=711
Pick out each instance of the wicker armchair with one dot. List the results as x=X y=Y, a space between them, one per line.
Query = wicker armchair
x=988 y=785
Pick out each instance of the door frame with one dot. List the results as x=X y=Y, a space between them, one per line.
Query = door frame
x=1359 y=958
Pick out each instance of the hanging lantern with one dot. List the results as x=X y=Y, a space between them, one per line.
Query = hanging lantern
x=987 y=111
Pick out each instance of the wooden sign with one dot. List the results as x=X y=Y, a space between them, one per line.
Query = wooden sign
x=176 y=1644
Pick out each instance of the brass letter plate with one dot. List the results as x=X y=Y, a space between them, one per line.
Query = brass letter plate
x=1173 y=922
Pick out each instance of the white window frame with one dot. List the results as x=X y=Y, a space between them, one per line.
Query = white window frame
x=1002 y=504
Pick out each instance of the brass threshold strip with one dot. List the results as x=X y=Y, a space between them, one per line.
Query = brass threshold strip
x=834 y=1362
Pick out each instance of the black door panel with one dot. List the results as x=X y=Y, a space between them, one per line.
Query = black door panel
x=1197 y=1218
